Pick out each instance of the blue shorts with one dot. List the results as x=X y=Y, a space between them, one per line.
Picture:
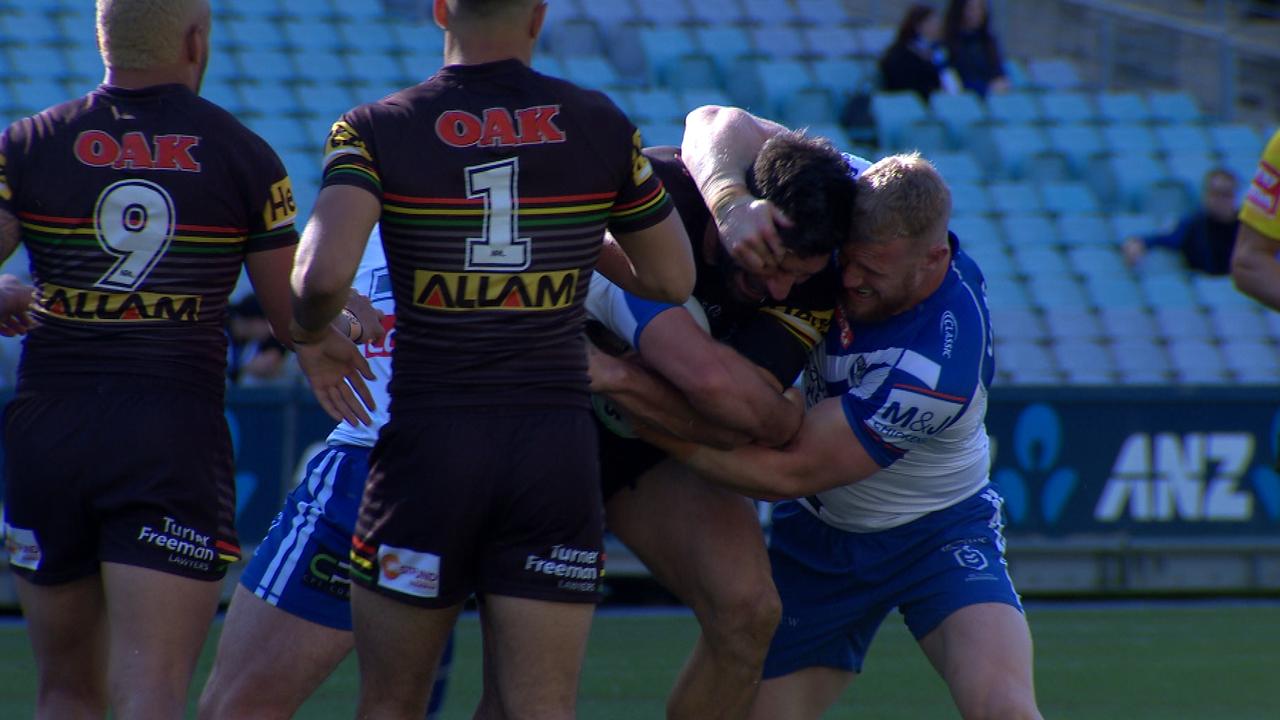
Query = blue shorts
x=837 y=586
x=303 y=564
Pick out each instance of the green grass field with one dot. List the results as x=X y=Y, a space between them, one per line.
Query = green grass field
x=1122 y=663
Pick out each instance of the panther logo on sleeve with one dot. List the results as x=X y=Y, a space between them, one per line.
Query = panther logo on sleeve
x=641 y=169
x=344 y=140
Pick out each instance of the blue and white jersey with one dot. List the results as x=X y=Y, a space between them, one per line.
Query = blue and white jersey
x=373 y=280
x=914 y=390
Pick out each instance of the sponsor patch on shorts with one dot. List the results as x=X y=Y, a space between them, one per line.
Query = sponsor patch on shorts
x=408 y=571
x=22 y=546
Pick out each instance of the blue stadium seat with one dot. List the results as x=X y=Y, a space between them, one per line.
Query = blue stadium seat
x=968 y=198
x=1015 y=148
x=1053 y=74
x=1112 y=291
x=315 y=33
x=821 y=12
x=663 y=133
x=975 y=231
x=840 y=75
x=1067 y=198
x=990 y=257
x=960 y=114
x=958 y=167
x=769 y=13
x=724 y=43
x=581 y=36
x=901 y=120
x=1004 y=291
x=1048 y=292
x=1078 y=144
x=1181 y=138
x=1038 y=261
x=833 y=132
x=652 y=105
x=1218 y=292
x=1021 y=324
x=1235 y=138
x=1132 y=177
x=1252 y=362
x=265 y=65
x=779 y=42
x=1123 y=107
x=1238 y=322
x=319 y=66
x=1082 y=229
x=1129 y=138
x=1013 y=198
x=31 y=96
x=1197 y=361
x=269 y=98
x=873 y=40
x=281 y=133
x=667 y=12
x=1100 y=260
x=1182 y=322
x=691 y=98
x=593 y=72
x=40 y=63
x=1013 y=108
x=1063 y=106
x=1071 y=323
x=1189 y=167
x=1026 y=363
x=693 y=71
x=609 y=15
x=380 y=69
x=35 y=28
x=1085 y=362
x=832 y=41
x=1166 y=290
x=256 y=34
x=326 y=103
x=1127 y=322
x=807 y=106
x=223 y=94
x=1174 y=106
x=662 y=47
x=1028 y=227
x=1141 y=362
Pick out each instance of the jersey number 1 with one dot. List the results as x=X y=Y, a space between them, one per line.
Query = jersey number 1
x=499 y=248
x=134 y=222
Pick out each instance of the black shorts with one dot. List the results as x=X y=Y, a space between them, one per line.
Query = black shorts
x=482 y=500
x=623 y=460
x=114 y=474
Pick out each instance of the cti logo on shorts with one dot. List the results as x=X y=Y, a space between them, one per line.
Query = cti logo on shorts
x=22 y=547
x=408 y=571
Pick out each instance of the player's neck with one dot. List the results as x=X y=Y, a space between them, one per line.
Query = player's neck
x=469 y=50
x=138 y=79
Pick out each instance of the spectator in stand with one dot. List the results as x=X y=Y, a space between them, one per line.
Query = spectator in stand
x=917 y=60
x=1205 y=237
x=254 y=355
x=972 y=49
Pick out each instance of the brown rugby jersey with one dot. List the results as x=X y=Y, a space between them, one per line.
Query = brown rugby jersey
x=497 y=184
x=137 y=209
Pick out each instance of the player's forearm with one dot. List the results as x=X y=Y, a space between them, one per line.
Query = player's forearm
x=1255 y=268
x=741 y=396
x=751 y=470
x=719 y=144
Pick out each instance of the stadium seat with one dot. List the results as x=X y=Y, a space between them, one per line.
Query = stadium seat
x=1021 y=324
x=1037 y=261
x=766 y=13
x=840 y=75
x=1013 y=108
x=1053 y=74
x=959 y=114
x=1182 y=322
x=1122 y=323
x=1028 y=227
x=1129 y=138
x=1252 y=362
x=40 y=63
x=1085 y=362
x=1005 y=292
x=1098 y=260
x=1112 y=291
x=1197 y=361
x=1062 y=106
x=1166 y=290
x=959 y=167
x=1181 y=138
x=1015 y=148
x=662 y=47
x=581 y=36
x=270 y=98
x=1176 y=106
x=820 y=13
x=319 y=66
x=311 y=32
x=902 y=123
x=724 y=43
x=832 y=41
x=991 y=259
x=224 y=95
x=1077 y=143
x=1026 y=363
x=594 y=72
x=1013 y=198
x=34 y=29
x=1068 y=324
x=1067 y=198
x=1215 y=292
x=1084 y=228
x=1049 y=292
x=873 y=40
x=1141 y=362
x=1189 y=167
x=691 y=98
x=1235 y=138
x=652 y=104
x=779 y=42
x=1238 y=322
x=380 y=69
x=968 y=198
x=975 y=231
x=1123 y=107
x=663 y=133
x=266 y=65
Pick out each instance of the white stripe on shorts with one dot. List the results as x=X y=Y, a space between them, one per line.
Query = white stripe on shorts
x=287 y=555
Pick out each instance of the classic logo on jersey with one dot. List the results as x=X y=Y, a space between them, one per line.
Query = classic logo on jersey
x=497 y=128
x=280 y=209
x=344 y=140
x=134 y=151
x=641 y=168
x=408 y=571
x=96 y=306
x=1264 y=191
x=949 y=328
x=5 y=193
x=22 y=547
x=460 y=292
x=913 y=415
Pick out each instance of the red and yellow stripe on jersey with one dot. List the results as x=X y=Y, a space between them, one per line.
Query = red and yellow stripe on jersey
x=1261 y=209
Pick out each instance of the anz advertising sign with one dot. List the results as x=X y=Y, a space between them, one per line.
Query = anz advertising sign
x=1151 y=464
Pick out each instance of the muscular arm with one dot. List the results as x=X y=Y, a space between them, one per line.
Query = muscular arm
x=10 y=234
x=718 y=382
x=720 y=143
x=825 y=454
x=649 y=399
x=656 y=263
x=1255 y=268
x=269 y=273
x=329 y=254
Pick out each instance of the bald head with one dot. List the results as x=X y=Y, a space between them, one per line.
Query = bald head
x=147 y=34
x=903 y=196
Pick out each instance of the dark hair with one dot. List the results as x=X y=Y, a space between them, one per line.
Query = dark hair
x=909 y=29
x=808 y=179
x=953 y=25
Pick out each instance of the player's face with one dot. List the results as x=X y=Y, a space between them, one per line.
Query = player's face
x=880 y=279
x=777 y=282
x=1220 y=198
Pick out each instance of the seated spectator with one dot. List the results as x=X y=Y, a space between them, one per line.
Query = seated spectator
x=254 y=355
x=1207 y=236
x=916 y=60
x=972 y=49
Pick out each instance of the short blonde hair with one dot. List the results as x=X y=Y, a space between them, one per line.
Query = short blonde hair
x=142 y=34
x=901 y=196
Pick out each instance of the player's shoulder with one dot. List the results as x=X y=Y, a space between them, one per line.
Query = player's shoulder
x=1271 y=153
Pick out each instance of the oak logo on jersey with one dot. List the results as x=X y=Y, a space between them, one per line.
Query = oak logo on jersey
x=280 y=209
x=134 y=151
x=344 y=140
x=531 y=126
x=98 y=306
x=641 y=168
x=461 y=292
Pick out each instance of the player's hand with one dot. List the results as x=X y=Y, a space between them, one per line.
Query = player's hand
x=748 y=228
x=15 y=306
x=365 y=320
x=337 y=370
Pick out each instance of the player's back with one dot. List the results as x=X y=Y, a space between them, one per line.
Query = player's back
x=137 y=208
x=497 y=184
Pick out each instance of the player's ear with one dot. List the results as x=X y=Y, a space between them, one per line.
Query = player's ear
x=535 y=22
x=440 y=13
